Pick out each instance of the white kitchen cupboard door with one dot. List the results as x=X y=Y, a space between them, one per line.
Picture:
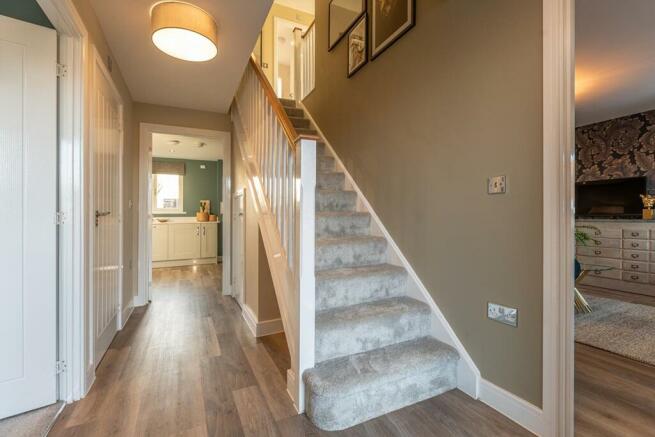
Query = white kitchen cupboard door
x=159 y=242
x=28 y=195
x=209 y=240
x=184 y=241
x=239 y=245
x=106 y=143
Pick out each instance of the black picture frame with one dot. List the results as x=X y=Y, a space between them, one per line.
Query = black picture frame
x=347 y=30
x=391 y=40
x=364 y=18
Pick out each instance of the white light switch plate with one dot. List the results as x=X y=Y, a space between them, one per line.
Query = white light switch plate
x=497 y=185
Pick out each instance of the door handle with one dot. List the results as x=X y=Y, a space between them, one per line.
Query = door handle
x=204 y=231
x=198 y=230
x=101 y=214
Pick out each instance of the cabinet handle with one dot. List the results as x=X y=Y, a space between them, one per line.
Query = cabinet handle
x=597 y=243
x=634 y=255
x=597 y=233
x=598 y=272
x=634 y=266
x=634 y=277
x=635 y=234
x=204 y=231
x=598 y=252
x=197 y=230
x=635 y=245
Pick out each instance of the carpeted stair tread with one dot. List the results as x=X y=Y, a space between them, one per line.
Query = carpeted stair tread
x=335 y=253
x=346 y=391
x=324 y=163
x=335 y=200
x=294 y=112
x=333 y=180
x=342 y=224
x=306 y=131
x=299 y=122
x=355 y=285
x=288 y=103
x=371 y=325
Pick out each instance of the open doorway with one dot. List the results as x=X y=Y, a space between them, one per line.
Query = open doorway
x=284 y=56
x=184 y=216
x=614 y=229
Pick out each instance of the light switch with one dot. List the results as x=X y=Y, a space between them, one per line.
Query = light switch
x=497 y=185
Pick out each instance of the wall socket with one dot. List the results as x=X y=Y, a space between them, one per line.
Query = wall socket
x=502 y=314
x=497 y=185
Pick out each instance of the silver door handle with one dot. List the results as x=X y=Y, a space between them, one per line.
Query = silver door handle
x=197 y=230
x=204 y=231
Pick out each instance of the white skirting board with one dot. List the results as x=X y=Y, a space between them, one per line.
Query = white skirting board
x=126 y=313
x=468 y=375
x=519 y=410
x=263 y=328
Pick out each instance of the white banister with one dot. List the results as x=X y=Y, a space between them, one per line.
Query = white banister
x=281 y=168
x=307 y=73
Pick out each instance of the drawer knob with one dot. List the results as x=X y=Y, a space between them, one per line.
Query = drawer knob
x=598 y=252
x=634 y=255
x=635 y=244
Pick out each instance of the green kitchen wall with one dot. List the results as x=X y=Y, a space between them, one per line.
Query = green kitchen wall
x=200 y=184
x=25 y=10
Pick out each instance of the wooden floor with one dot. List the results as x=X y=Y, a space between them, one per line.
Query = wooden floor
x=188 y=366
x=614 y=395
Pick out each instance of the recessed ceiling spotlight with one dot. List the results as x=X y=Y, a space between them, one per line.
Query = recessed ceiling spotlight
x=172 y=150
x=174 y=142
x=184 y=31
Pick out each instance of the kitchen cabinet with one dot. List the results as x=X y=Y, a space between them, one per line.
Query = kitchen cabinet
x=184 y=242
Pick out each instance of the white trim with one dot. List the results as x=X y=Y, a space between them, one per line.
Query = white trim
x=558 y=223
x=184 y=262
x=261 y=329
x=144 y=264
x=519 y=410
x=73 y=38
x=126 y=313
x=468 y=375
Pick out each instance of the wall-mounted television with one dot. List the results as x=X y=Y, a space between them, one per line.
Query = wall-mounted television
x=611 y=198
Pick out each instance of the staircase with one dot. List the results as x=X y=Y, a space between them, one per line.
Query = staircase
x=373 y=349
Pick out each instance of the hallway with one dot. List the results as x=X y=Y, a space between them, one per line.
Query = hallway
x=188 y=366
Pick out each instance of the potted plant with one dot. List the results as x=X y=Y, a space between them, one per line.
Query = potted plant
x=202 y=215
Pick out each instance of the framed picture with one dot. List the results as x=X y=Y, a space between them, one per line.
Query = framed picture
x=390 y=19
x=342 y=15
x=357 y=46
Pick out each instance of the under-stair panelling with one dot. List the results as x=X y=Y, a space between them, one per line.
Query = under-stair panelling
x=373 y=348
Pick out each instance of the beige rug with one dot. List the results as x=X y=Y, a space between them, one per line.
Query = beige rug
x=624 y=328
x=34 y=423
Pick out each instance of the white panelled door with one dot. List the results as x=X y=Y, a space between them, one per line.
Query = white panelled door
x=28 y=195
x=106 y=142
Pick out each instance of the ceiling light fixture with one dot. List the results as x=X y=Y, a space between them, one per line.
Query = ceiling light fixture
x=184 y=31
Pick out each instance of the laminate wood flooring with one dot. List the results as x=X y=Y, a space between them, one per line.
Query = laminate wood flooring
x=187 y=365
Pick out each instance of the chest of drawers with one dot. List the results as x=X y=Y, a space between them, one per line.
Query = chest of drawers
x=627 y=248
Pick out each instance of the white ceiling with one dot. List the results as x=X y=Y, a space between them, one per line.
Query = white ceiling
x=301 y=5
x=615 y=58
x=183 y=147
x=154 y=77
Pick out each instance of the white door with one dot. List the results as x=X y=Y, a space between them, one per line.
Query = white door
x=184 y=241
x=106 y=138
x=28 y=195
x=160 y=242
x=239 y=247
x=209 y=241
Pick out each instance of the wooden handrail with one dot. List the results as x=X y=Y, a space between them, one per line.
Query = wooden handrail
x=280 y=113
x=308 y=29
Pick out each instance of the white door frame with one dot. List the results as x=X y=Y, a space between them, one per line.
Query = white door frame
x=72 y=347
x=99 y=68
x=144 y=267
x=558 y=212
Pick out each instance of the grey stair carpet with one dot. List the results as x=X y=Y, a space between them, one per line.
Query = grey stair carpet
x=374 y=353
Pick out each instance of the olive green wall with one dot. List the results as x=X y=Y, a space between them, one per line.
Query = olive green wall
x=200 y=184
x=454 y=101
x=25 y=10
